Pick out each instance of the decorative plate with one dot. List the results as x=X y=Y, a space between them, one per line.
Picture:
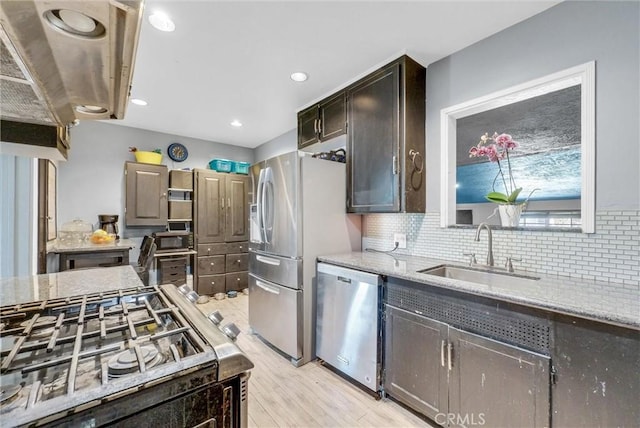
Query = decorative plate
x=177 y=152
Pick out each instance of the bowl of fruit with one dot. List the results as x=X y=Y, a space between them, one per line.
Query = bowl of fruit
x=102 y=237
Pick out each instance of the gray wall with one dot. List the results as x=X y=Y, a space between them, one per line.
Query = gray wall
x=284 y=143
x=91 y=182
x=566 y=35
x=288 y=142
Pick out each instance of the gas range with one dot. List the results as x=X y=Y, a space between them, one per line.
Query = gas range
x=105 y=357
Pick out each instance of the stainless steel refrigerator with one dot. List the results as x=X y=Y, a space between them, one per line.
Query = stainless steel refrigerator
x=299 y=213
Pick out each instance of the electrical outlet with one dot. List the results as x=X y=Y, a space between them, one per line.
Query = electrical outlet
x=401 y=239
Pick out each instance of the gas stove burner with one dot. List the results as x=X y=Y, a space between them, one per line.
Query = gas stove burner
x=127 y=361
x=7 y=392
x=38 y=333
x=11 y=397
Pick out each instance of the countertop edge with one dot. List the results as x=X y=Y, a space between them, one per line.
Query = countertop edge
x=349 y=261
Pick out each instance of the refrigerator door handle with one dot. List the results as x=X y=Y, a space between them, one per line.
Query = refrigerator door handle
x=268 y=260
x=267 y=205
x=260 y=203
x=267 y=288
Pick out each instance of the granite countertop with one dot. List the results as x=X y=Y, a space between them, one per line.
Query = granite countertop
x=600 y=301
x=60 y=247
x=65 y=284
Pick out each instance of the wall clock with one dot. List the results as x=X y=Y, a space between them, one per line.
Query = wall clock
x=177 y=152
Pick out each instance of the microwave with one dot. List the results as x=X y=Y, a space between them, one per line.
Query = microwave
x=173 y=241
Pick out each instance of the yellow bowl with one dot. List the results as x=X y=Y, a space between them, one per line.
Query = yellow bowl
x=148 y=157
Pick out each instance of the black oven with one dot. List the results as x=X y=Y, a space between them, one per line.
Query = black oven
x=173 y=241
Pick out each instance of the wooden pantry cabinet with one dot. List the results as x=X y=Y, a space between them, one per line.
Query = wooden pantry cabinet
x=221 y=231
x=146 y=189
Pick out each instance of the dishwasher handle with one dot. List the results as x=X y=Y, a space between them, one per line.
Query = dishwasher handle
x=348 y=275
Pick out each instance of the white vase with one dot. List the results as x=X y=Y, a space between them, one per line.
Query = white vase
x=510 y=214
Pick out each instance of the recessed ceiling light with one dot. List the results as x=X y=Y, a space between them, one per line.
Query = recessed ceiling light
x=90 y=109
x=138 y=102
x=236 y=123
x=161 y=21
x=299 y=76
x=75 y=23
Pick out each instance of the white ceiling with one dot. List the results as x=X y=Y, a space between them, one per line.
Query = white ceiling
x=231 y=60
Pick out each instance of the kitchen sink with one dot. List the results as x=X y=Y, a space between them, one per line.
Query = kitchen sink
x=486 y=276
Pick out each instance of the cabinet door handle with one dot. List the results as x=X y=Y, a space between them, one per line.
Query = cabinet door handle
x=229 y=203
x=449 y=351
x=395 y=165
x=221 y=203
x=315 y=125
x=442 y=353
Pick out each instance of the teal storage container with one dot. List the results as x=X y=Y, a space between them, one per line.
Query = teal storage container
x=220 y=165
x=240 y=167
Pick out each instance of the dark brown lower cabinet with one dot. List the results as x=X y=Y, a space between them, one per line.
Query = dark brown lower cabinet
x=458 y=378
x=466 y=360
x=495 y=384
x=413 y=371
x=597 y=374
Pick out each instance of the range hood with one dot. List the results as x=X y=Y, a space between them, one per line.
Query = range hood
x=63 y=62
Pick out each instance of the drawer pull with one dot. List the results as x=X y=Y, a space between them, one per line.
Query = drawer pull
x=268 y=260
x=267 y=288
x=239 y=261
x=212 y=264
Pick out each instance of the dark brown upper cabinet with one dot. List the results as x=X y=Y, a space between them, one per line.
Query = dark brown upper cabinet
x=146 y=188
x=322 y=121
x=386 y=140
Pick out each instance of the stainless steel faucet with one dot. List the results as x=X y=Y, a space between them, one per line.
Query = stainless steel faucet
x=490 y=241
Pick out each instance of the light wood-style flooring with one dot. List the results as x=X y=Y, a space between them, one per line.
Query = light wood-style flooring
x=281 y=395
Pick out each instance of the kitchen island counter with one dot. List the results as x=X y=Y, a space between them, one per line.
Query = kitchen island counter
x=66 y=284
x=594 y=300
x=117 y=251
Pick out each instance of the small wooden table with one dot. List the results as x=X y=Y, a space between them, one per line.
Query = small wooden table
x=93 y=255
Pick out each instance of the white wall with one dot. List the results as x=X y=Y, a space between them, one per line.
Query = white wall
x=18 y=184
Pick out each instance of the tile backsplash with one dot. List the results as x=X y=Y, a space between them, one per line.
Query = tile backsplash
x=612 y=254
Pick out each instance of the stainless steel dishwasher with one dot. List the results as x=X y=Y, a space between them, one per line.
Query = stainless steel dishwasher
x=348 y=333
